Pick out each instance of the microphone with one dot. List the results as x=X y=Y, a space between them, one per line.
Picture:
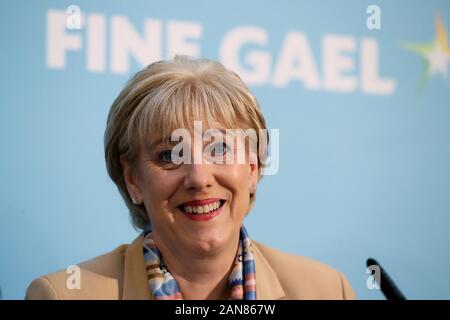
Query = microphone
x=388 y=287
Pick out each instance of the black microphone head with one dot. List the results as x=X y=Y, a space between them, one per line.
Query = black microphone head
x=387 y=285
x=371 y=262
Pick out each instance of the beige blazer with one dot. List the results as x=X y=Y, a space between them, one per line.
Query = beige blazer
x=121 y=274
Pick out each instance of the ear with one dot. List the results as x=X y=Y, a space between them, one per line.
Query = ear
x=254 y=173
x=131 y=181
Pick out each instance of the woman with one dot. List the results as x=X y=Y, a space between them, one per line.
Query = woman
x=194 y=245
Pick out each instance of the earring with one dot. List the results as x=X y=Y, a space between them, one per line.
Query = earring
x=252 y=191
x=135 y=201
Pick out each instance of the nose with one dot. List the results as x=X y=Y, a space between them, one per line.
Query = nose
x=198 y=177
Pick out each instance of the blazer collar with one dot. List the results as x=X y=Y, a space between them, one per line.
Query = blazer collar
x=135 y=282
x=268 y=286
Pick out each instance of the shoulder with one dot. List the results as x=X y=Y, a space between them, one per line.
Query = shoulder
x=305 y=278
x=98 y=278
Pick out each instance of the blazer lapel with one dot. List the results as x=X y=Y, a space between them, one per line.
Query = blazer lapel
x=268 y=286
x=135 y=282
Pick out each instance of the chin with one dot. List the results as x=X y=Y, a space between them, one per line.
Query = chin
x=211 y=243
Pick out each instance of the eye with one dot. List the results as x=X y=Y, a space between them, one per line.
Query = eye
x=219 y=149
x=165 y=156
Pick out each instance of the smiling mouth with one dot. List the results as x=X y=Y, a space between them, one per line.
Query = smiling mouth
x=198 y=208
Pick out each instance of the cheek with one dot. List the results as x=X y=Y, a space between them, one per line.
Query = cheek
x=159 y=186
x=236 y=177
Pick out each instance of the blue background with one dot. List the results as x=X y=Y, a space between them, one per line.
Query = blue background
x=360 y=175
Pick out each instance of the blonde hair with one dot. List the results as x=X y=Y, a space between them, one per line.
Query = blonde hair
x=172 y=94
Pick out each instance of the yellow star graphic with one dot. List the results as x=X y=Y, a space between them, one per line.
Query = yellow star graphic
x=435 y=54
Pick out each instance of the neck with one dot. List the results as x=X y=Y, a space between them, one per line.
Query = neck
x=201 y=276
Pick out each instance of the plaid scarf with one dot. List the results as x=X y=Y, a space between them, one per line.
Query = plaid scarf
x=163 y=285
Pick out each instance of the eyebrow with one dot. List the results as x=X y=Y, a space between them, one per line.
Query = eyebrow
x=150 y=146
x=168 y=141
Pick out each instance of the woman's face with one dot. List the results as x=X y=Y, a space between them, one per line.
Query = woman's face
x=177 y=196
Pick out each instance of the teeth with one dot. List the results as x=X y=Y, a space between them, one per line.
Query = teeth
x=202 y=209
